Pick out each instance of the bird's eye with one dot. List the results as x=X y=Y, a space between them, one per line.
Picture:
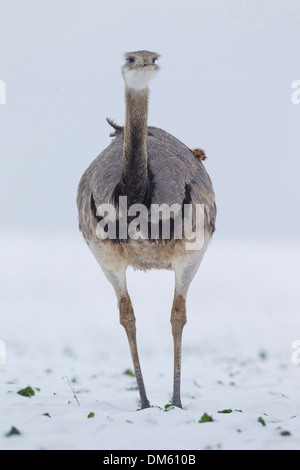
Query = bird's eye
x=130 y=60
x=154 y=60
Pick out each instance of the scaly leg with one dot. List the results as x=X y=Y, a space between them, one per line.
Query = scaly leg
x=127 y=320
x=178 y=320
x=184 y=270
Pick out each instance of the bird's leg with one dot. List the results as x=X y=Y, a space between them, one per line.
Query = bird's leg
x=185 y=270
x=127 y=319
x=117 y=277
x=178 y=320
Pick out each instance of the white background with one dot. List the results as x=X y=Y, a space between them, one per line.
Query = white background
x=227 y=69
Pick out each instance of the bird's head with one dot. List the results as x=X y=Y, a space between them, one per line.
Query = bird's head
x=140 y=67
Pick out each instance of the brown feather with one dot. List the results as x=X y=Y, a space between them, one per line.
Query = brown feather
x=199 y=154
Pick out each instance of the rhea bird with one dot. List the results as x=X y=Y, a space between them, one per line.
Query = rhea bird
x=148 y=166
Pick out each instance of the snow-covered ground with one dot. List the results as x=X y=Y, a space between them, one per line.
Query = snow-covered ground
x=59 y=322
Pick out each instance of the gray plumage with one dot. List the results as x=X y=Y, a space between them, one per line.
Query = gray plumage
x=172 y=164
x=148 y=166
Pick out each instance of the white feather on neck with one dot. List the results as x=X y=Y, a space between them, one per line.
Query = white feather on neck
x=138 y=79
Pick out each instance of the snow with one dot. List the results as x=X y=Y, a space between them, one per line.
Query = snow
x=59 y=322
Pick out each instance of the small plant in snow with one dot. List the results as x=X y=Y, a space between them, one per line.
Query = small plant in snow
x=205 y=418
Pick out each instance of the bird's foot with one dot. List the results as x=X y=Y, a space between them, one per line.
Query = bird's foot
x=177 y=403
x=145 y=404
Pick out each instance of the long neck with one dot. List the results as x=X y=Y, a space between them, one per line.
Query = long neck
x=135 y=175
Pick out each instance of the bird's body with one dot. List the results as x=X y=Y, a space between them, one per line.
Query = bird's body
x=174 y=170
x=148 y=167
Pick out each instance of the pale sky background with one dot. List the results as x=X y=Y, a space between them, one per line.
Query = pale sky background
x=225 y=84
